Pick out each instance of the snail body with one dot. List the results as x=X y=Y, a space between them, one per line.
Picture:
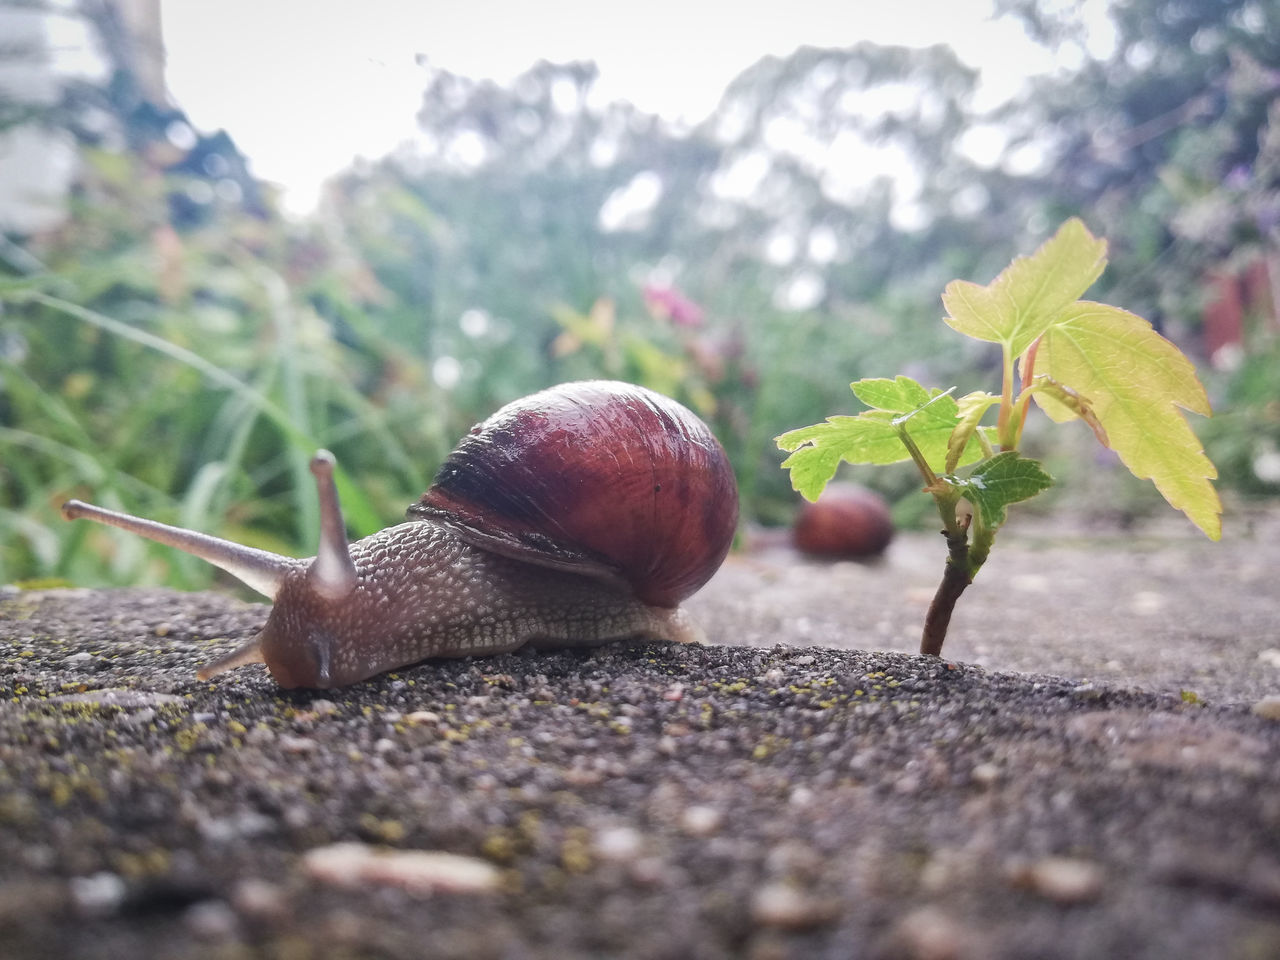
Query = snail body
x=578 y=515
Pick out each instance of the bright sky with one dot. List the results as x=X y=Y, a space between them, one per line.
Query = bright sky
x=305 y=86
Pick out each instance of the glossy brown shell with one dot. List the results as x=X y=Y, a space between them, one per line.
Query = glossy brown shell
x=606 y=478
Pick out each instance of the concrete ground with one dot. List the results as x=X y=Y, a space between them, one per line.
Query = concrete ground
x=1093 y=772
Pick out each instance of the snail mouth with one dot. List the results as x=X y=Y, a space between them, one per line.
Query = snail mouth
x=309 y=663
x=299 y=654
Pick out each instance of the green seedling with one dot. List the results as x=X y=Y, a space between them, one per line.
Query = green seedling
x=1078 y=360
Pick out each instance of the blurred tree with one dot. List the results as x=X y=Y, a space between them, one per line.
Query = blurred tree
x=1169 y=144
x=751 y=265
x=1161 y=142
x=814 y=217
x=160 y=349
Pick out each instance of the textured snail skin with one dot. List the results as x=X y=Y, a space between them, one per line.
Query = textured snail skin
x=424 y=592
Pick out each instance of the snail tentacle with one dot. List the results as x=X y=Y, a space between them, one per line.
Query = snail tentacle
x=332 y=573
x=257 y=569
x=250 y=652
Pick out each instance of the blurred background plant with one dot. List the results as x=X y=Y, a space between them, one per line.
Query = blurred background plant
x=173 y=345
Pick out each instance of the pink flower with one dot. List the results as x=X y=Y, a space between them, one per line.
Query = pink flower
x=670 y=304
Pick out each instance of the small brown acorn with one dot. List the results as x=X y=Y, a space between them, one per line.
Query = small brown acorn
x=848 y=520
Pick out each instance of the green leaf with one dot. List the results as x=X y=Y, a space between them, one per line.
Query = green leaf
x=900 y=395
x=972 y=406
x=1137 y=383
x=817 y=451
x=872 y=437
x=1019 y=304
x=1004 y=479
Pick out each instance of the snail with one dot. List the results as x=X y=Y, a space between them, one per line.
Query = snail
x=578 y=515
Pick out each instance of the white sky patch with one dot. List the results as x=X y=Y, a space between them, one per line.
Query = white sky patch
x=306 y=86
x=628 y=207
x=984 y=144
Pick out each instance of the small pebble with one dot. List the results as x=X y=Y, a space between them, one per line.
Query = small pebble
x=259 y=899
x=701 y=820
x=1268 y=708
x=619 y=844
x=985 y=774
x=651 y=872
x=800 y=797
x=782 y=905
x=212 y=921
x=1062 y=879
x=928 y=933
x=98 y=895
x=419 y=872
x=248 y=823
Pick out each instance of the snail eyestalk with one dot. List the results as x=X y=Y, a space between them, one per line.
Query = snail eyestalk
x=256 y=569
x=333 y=572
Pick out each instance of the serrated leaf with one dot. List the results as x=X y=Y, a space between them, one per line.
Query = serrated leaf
x=1019 y=304
x=971 y=408
x=872 y=437
x=1137 y=383
x=1004 y=479
x=817 y=451
x=899 y=395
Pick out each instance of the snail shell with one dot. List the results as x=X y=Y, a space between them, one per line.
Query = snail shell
x=601 y=477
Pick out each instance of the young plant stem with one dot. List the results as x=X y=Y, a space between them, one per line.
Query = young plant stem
x=1003 y=432
x=1028 y=372
x=956 y=576
x=955 y=579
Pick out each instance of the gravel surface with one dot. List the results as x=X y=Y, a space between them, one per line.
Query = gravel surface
x=1099 y=775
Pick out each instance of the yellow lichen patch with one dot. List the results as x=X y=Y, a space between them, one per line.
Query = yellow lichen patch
x=188 y=738
x=385 y=830
x=575 y=851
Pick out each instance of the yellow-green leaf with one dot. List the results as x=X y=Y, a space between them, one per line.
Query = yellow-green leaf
x=929 y=416
x=1137 y=383
x=1063 y=404
x=970 y=408
x=816 y=451
x=1019 y=304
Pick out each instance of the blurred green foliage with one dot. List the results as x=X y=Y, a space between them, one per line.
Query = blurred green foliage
x=177 y=348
